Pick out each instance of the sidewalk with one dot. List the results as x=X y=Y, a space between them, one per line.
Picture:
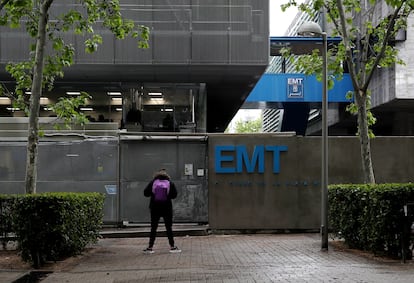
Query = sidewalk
x=228 y=258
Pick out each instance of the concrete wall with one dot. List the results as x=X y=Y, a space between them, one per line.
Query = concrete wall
x=290 y=199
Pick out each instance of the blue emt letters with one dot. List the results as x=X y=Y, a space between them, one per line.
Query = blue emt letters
x=231 y=158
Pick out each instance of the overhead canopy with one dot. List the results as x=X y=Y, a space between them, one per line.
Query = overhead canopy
x=299 y=45
x=297 y=88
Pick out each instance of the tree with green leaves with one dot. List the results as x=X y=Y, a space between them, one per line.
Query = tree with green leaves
x=367 y=45
x=49 y=54
x=250 y=126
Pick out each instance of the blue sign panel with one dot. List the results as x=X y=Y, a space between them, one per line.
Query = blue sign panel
x=297 y=87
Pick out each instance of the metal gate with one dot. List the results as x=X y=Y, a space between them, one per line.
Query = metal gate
x=85 y=165
x=185 y=159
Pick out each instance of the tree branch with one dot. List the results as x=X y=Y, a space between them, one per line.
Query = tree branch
x=365 y=49
x=3 y=3
x=348 y=50
x=379 y=56
x=332 y=17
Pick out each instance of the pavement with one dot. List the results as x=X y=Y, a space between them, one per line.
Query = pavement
x=207 y=257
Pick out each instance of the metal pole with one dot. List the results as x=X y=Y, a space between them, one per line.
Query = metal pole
x=324 y=182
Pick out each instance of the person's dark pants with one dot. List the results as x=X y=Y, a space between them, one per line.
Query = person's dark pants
x=155 y=219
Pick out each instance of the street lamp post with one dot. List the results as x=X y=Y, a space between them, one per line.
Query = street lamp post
x=312 y=29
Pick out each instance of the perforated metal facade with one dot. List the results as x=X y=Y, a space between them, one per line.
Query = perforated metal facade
x=223 y=44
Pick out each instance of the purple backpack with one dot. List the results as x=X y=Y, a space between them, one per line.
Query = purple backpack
x=160 y=189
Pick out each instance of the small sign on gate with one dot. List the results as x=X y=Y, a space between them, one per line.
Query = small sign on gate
x=110 y=189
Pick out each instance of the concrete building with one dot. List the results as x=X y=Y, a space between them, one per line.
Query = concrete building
x=204 y=58
x=392 y=95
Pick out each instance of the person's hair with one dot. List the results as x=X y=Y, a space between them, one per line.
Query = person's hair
x=161 y=174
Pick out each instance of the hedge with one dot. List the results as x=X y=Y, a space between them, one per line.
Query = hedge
x=371 y=217
x=6 y=204
x=52 y=226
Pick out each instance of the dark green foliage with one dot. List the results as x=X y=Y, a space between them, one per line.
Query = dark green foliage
x=370 y=217
x=6 y=204
x=52 y=226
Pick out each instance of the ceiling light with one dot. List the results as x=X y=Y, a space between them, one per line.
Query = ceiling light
x=86 y=109
x=118 y=109
x=5 y=101
x=73 y=93
x=116 y=98
x=155 y=93
x=114 y=93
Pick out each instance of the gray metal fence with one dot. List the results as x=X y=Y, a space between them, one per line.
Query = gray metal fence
x=120 y=167
x=88 y=165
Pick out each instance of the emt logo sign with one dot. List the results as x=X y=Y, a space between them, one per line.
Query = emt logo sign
x=231 y=158
x=295 y=87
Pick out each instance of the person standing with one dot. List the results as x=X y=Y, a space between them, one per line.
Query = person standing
x=161 y=191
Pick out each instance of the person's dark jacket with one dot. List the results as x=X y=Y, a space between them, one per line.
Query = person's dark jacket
x=171 y=195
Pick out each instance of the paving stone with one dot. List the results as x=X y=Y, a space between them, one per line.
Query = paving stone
x=230 y=258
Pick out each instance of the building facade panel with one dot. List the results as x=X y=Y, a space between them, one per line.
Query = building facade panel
x=403 y=81
x=14 y=45
x=181 y=32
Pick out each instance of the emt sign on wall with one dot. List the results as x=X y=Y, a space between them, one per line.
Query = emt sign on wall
x=263 y=181
x=236 y=159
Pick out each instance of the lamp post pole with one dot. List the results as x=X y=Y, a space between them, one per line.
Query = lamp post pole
x=324 y=177
x=313 y=29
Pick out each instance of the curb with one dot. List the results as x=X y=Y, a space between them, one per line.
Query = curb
x=144 y=231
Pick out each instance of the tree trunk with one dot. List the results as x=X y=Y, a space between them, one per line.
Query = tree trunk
x=33 y=127
x=364 y=139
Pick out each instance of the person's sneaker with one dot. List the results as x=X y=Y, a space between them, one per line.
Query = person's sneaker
x=175 y=250
x=148 y=251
